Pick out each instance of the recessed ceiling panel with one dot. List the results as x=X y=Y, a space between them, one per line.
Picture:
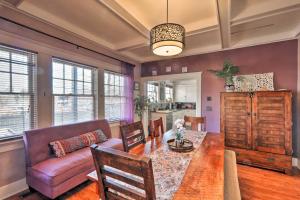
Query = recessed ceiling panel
x=189 y=13
x=270 y=28
x=88 y=18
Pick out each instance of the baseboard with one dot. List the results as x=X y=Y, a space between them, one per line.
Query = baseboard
x=296 y=162
x=13 y=188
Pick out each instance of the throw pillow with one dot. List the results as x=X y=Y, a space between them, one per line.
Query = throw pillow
x=62 y=147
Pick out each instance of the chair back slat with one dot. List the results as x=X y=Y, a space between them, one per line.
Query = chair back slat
x=117 y=174
x=158 y=127
x=122 y=175
x=131 y=134
x=123 y=189
x=195 y=121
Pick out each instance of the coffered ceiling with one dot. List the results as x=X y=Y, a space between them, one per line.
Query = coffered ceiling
x=211 y=25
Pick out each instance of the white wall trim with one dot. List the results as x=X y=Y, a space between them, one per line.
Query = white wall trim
x=13 y=188
x=11 y=145
x=182 y=76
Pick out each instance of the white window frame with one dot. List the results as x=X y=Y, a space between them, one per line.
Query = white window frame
x=93 y=94
x=31 y=93
x=122 y=96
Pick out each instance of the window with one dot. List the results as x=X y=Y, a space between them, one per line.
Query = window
x=17 y=91
x=115 y=98
x=152 y=92
x=169 y=93
x=74 y=91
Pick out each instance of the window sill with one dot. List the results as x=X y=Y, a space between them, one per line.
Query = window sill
x=10 y=139
x=114 y=123
x=11 y=144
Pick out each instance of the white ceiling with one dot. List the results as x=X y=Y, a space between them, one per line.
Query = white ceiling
x=211 y=25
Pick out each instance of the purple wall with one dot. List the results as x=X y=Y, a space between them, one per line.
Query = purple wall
x=280 y=58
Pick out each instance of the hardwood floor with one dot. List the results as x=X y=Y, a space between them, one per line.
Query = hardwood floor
x=260 y=184
x=255 y=184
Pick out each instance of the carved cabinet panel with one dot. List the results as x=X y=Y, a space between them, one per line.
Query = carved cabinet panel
x=258 y=126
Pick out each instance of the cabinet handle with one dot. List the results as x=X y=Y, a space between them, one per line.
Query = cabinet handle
x=248 y=113
x=254 y=114
x=270 y=159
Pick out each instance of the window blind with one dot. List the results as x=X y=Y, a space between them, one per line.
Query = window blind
x=18 y=109
x=74 y=88
x=114 y=93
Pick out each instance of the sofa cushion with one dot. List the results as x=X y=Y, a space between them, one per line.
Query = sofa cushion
x=54 y=171
x=62 y=147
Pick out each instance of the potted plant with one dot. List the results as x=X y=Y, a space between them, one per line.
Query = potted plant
x=141 y=103
x=227 y=73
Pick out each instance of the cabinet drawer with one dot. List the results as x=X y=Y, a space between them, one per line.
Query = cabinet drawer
x=262 y=159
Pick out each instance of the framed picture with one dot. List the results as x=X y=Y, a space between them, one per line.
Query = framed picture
x=136 y=85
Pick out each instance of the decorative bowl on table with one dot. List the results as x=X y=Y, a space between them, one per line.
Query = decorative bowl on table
x=185 y=146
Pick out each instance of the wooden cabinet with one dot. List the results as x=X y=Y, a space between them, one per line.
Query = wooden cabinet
x=258 y=127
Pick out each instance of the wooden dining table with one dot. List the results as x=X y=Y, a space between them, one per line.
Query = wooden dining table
x=204 y=177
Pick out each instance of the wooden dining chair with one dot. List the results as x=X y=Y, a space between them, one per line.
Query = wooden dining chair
x=132 y=135
x=158 y=126
x=195 y=121
x=121 y=175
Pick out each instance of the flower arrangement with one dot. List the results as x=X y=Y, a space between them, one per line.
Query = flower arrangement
x=179 y=130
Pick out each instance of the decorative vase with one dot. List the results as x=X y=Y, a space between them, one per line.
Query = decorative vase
x=229 y=88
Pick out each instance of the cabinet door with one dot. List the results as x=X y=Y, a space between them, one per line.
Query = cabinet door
x=236 y=119
x=271 y=121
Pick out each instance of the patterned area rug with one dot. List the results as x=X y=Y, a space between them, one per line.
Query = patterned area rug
x=169 y=167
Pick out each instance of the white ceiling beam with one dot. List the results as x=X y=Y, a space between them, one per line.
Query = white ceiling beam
x=223 y=10
x=202 y=30
x=126 y=16
x=130 y=45
x=260 y=16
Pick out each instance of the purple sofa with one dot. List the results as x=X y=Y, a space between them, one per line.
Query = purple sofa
x=53 y=176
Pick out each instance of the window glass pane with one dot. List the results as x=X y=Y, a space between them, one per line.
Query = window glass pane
x=88 y=75
x=64 y=112
x=4 y=54
x=57 y=70
x=117 y=80
x=69 y=87
x=18 y=68
x=4 y=66
x=79 y=74
x=111 y=79
x=19 y=58
x=87 y=88
x=106 y=90
x=117 y=91
x=79 y=86
x=14 y=114
x=20 y=83
x=69 y=72
x=4 y=82
x=85 y=108
x=58 y=86
x=112 y=90
x=121 y=81
x=106 y=78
